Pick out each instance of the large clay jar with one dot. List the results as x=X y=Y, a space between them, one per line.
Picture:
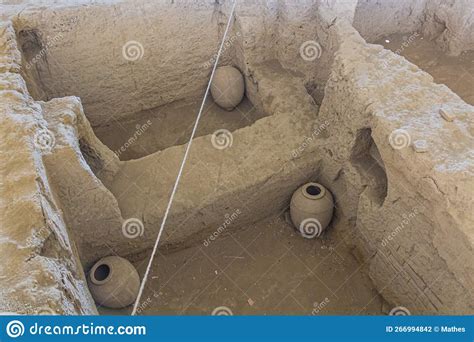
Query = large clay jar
x=311 y=209
x=113 y=282
x=227 y=87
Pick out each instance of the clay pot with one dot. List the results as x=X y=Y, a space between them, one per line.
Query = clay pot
x=113 y=282
x=227 y=87
x=311 y=209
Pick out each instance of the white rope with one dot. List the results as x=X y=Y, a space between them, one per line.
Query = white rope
x=188 y=147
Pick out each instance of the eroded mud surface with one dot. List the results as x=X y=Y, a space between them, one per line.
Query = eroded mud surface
x=457 y=72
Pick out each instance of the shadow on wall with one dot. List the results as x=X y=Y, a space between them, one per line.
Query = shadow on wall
x=35 y=61
x=367 y=160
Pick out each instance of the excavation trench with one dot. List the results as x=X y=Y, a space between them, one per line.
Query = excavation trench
x=323 y=113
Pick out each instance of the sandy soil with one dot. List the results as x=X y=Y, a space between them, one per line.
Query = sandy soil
x=456 y=72
x=172 y=125
x=266 y=269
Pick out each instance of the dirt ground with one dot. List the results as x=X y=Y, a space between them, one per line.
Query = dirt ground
x=265 y=269
x=165 y=130
x=454 y=71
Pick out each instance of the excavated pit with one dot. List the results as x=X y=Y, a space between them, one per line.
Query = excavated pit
x=171 y=124
x=229 y=240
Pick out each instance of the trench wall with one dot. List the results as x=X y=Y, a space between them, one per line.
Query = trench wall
x=375 y=19
x=40 y=268
x=124 y=63
x=449 y=23
x=415 y=259
x=409 y=213
x=121 y=65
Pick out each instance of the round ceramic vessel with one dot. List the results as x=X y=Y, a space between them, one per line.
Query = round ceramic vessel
x=227 y=87
x=311 y=209
x=113 y=282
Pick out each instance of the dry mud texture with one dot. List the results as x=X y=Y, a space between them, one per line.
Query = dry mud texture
x=154 y=130
x=40 y=268
x=415 y=220
x=264 y=268
x=95 y=70
x=449 y=23
x=412 y=212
